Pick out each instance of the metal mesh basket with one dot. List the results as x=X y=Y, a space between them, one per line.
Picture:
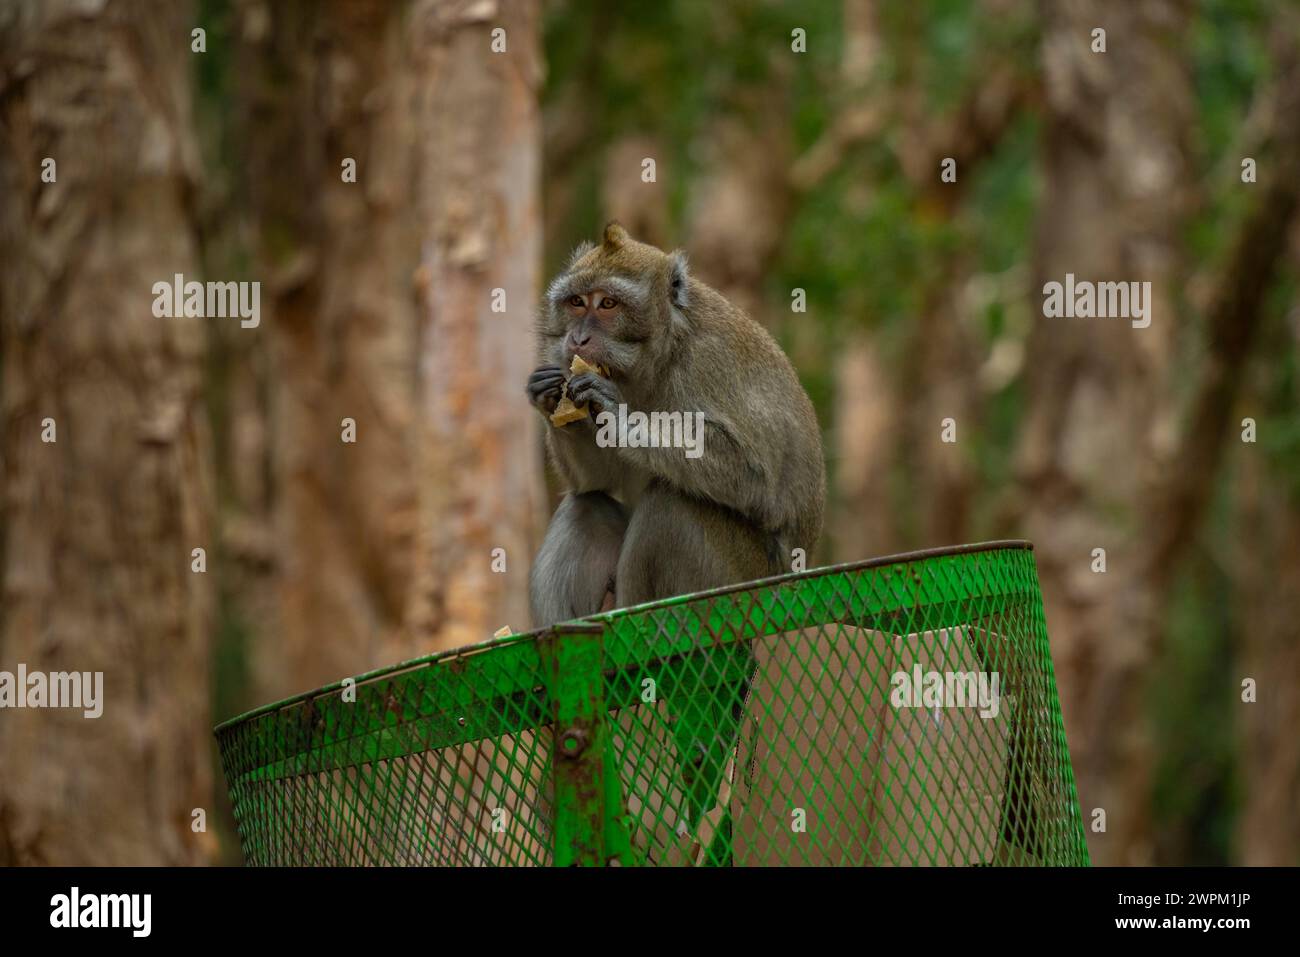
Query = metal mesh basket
x=896 y=711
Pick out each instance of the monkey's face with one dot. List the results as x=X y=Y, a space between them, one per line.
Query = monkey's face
x=618 y=305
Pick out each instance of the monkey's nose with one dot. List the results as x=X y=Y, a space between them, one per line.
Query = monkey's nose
x=581 y=338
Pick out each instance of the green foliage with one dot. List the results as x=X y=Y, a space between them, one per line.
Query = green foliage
x=670 y=71
x=1279 y=391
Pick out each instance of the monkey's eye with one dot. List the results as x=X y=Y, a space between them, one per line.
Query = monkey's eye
x=607 y=303
x=576 y=302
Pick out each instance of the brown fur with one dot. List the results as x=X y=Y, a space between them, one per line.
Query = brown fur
x=758 y=490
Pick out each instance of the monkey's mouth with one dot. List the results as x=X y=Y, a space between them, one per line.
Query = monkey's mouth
x=591 y=358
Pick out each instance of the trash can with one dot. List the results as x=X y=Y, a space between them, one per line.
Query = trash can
x=897 y=711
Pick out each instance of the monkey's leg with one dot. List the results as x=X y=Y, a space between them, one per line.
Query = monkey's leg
x=578 y=558
x=674 y=545
x=571 y=578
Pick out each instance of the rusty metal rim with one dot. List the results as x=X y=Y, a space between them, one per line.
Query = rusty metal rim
x=901 y=558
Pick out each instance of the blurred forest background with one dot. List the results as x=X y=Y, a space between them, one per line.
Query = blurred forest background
x=777 y=170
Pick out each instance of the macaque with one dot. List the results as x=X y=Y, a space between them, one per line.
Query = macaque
x=643 y=523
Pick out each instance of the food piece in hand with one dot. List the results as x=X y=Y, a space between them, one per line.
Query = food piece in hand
x=565 y=411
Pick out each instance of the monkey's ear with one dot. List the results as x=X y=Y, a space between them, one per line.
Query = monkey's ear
x=680 y=281
x=579 y=251
x=615 y=235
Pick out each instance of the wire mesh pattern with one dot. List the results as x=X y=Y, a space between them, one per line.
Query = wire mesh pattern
x=901 y=711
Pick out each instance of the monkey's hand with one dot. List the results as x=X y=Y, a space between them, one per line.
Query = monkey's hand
x=545 y=386
x=596 y=391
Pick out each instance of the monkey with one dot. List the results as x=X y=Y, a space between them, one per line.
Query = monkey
x=644 y=522
x=639 y=524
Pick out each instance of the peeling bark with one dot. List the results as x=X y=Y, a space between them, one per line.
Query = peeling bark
x=480 y=208
x=99 y=525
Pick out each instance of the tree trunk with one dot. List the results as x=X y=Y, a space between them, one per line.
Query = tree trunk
x=383 y=294
x=326 y=86
x=864 y=433
x=480 y=205
x=99 y=524
x=1114 y=166
x=1268 y=828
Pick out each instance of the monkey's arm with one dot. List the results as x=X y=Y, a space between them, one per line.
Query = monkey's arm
x=545 y=386
x=584 y=466
x=772 y=490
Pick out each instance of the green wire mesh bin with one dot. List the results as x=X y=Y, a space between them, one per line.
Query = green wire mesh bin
x=895 y=711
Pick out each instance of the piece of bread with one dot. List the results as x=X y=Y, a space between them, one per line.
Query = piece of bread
x=565 y=411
